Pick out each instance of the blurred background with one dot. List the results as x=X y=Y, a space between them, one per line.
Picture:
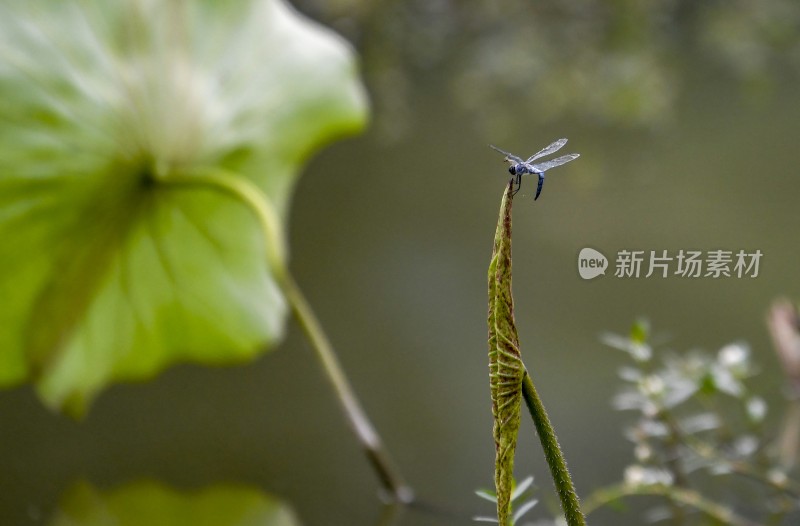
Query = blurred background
x=686 y=117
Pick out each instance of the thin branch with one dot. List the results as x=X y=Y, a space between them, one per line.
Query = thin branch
x=785 y=485
x=359 y=422
x=684 y=496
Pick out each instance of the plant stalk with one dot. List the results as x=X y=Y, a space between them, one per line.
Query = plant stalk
x=365 y=432
x=552 y=453
x=250 y=194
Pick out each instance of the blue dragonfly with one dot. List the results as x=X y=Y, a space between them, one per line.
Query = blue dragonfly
x=519 y=167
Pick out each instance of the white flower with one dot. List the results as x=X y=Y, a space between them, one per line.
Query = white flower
x=637 y=475
x=756 y=408
x=736 y=358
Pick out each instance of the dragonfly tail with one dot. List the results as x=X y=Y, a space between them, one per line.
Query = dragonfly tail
x=539 y=186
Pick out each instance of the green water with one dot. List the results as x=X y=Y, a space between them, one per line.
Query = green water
x=688 y=137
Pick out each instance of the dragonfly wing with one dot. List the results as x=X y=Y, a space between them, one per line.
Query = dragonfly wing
x=554 y=147
x=510 y=157
x=543 y=167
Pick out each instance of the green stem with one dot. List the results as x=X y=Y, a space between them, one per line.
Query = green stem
x=360 y=423
x=712 y=509
x=552 y=452
x=251 y=195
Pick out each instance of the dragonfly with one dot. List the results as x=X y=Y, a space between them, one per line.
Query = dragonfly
x=519 y=167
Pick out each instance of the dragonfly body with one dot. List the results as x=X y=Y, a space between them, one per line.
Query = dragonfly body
x=519 y=167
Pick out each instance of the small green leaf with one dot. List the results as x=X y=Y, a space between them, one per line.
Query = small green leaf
x=105 y=273
x=522 y=509
x=640 y=331
x=505 y=367
x=486 y=494
x=153 y=504
x=521 y=487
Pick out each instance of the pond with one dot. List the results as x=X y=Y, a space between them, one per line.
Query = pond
x=685 y=115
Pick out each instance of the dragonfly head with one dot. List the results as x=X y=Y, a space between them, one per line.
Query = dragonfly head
x=518 y=169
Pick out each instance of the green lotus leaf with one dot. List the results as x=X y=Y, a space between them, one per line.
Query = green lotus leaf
x=106 y=273
x=153 y=504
